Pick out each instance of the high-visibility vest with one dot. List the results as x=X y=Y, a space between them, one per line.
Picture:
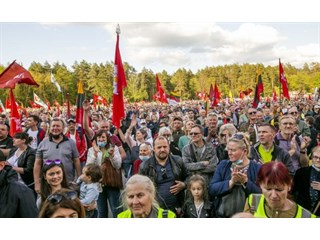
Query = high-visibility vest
x=161 y=214
x=256 y=204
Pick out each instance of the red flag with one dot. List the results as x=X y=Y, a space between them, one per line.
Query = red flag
x=274 y=96
x=80 y=99
x=15 y=74
x=8 y=104
x=118 y=85
x=284 y=82
x=248 y=91
x=15 y=123
x=258 y=91
x=211 y=93
x=98 y=99
x=216 y=95
x=241 y=95
x=160 y=94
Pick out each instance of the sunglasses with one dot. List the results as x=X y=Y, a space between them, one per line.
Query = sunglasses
x=164 y=173
x=250 y=113
x=57 y=197
x=48 y=162
x=194 y=133
x=294 y=113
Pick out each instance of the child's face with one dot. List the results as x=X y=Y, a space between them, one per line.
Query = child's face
x=197 y=190
x=84 y=178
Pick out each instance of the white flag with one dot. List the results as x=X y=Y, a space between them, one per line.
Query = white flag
x=38 y=101
x=54 y=81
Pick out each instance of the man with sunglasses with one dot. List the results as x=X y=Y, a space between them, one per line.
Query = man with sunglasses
x=168 y=173
x=250 y=127
x=16 y=199
x=302 y=127
x=199 y=156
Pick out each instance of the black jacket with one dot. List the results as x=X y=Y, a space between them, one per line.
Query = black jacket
x=301 y=189
x=16 y=200
x=277 y=154
x=26 y=161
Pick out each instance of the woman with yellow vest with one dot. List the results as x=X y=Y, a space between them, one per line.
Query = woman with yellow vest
x=139 y=198
x=275 y=182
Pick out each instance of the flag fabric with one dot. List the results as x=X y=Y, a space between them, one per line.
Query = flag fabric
x=15 y=122
x=172 y=100
x=98 y=99
x=80 y=99
x=284 y=82
x=216 y=95
x=2 y=109
x=231 y=100
x=248 y=91
x=48 y=104
x=8 y=104
x=15 y=74
x=274 y=96
x=118 y=85
x=54 y=81
x=33 y=104
x=160 y=94
x=258 y=91
x=38 y=101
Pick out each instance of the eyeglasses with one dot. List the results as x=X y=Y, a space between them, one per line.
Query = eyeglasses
x=316 y=158
x=57 y=197
x=250 y=113
x=48 y=162
x=166 y=135
x=164 y=173
x=293 y=113
x=194 y=133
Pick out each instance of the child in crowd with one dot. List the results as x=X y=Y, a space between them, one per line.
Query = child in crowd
x=89 y=188
x=197 y=204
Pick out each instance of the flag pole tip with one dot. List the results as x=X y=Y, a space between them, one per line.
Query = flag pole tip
x=118 y=29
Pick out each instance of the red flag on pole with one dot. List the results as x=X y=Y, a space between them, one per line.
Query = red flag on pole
x=48 y=104
x=15 y=123
x=58 y=107
x=160 y=94
x=284 y=82
x=80 y=99
x=118 y=85
x=15 y=74
x=274 y=96
x=216 y=95
x=258 y=91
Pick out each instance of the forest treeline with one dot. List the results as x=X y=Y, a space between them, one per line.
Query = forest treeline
x=141 y=86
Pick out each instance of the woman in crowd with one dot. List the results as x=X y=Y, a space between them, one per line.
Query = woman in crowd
x=21 y=158
x=275 y=182
x=184 y=140
x=139 y=200
x=106 y=155
x=53 y=179
x=64 y=203
x=225 y=132
x=234 y=179
x=306 y=184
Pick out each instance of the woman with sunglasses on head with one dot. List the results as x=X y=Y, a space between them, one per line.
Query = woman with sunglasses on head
x=21 y=158
x=53 y=178
x=234 y=178
x=64 y=203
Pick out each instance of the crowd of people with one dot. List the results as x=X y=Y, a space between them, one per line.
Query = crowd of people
x=181 y=161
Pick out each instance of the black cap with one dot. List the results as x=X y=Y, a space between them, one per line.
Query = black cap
x=71 y=120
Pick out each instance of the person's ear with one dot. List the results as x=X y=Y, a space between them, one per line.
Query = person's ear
x=2 y=164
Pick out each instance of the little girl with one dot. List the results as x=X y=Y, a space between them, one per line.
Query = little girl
x=197 y=204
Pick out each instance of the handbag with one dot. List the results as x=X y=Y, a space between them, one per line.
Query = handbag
x=111 y=177
x=231 y=203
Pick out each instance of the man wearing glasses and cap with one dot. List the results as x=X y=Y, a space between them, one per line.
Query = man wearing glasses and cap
x=250 y=127
x=16 y=199
x=303 y=128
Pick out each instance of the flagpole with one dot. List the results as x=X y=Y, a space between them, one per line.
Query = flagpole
x=280 y=100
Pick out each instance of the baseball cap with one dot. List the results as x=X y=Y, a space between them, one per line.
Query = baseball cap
x=71 y=120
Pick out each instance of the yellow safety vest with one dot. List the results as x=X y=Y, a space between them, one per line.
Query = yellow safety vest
x=161 y=214
x=256 y=204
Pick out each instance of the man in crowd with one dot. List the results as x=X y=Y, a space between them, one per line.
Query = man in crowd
x=34 y=131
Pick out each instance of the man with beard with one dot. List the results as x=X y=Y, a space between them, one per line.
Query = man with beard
x=168 y=173
x=57 y=146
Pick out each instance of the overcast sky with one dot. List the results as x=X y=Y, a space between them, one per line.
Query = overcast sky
x=158 y=44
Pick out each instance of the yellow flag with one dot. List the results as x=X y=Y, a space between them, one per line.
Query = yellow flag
x=230 y=97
